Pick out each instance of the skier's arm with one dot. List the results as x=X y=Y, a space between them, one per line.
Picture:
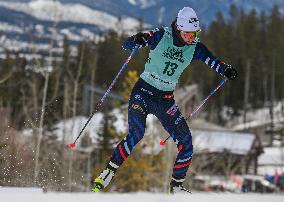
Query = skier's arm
x=203 y=54
x=143 y=39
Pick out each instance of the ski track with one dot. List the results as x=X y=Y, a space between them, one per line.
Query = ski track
x=20 y=196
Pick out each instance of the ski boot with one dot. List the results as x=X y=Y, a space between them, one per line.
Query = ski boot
x=104 y=179
x=177 y=187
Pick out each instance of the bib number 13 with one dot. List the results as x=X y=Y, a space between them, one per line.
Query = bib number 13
x=170 y=68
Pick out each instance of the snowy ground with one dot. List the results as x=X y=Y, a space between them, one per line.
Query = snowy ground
x=21 y=196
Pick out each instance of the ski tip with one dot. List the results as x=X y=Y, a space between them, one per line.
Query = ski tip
x=72 y=145
x=162 y=143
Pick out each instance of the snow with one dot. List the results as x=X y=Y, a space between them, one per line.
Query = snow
x=203 y=140
x=143 y=3
x=270 y=170
x=120 y=122
x=20 y=190
x=77 y=13
x=259 y=117
x=71 y=36
x=218 y=141
x=57 y=11
x=87 y=34
x=72 y=127
x=272 y=155
x=10 y=28
x=133 y=2
x=271 y=161
x=137 y=197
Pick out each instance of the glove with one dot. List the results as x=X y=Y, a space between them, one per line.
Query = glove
x=141 y=38
x=230 y=72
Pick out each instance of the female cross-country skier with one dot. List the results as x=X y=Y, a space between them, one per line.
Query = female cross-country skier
x=172 y=50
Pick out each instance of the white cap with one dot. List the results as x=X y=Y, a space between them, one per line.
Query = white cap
x=187 y=20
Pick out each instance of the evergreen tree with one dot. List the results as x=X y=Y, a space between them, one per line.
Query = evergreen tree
x=275 y=35
x=110 y=59
x=6 y=69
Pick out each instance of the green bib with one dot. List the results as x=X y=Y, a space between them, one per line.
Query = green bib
x=166 y=63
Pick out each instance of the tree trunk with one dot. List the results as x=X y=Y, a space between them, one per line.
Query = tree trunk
x=40 y=130
x=272 y=95
x=46 y=79
x=246 y=89
x=74 y=109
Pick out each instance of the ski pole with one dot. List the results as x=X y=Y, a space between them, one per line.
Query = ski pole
x=163 y=142
x=100 y=102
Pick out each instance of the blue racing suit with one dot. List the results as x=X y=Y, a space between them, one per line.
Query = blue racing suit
x=146 y=99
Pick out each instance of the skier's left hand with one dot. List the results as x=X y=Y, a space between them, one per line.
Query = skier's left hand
x=230 y=72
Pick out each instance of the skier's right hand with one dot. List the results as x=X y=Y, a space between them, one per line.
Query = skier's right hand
x=141 y=38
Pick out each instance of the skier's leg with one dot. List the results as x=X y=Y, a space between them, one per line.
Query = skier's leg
x=136 y=123
x=175 y=124
x=137 y=113
x=185 y=149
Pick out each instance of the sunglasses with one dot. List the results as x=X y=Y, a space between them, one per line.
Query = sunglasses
x=195 y=34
